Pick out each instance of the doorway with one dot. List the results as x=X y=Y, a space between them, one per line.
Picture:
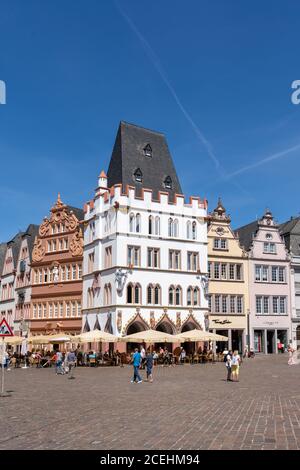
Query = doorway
x=270 y=341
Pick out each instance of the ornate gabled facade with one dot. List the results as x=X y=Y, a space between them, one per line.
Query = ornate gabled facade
x=145 y=249
x=8 y=275
x=228 y=281
x=56 y=272
x=269 y=284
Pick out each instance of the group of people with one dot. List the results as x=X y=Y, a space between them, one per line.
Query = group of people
x=232 y=362
x=141 y=359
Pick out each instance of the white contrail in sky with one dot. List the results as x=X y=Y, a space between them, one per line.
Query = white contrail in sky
x=155 y=61
x=275 y=156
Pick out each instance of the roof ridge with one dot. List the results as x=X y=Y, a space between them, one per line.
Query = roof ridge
x=141 y=127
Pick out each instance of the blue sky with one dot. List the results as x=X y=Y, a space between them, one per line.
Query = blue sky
x=214 y=76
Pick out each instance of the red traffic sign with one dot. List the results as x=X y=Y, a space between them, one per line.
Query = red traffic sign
x=5 y=329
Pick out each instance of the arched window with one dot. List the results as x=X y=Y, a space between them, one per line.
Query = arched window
x=194 y=230
x=130 y=294
x=138 y=175
x=196 y=296
x=149 y=294
x=178 y=296
x=171 y=295
x=175 y=228
x=138 y=223
x=188 y=229
x=189 y=296
x=150 y=224
x=157 y=295
x=170 y=227
x=137 y=294
x=131 y=222
x=157 y=225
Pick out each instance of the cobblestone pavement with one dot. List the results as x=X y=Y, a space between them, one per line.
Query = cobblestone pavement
x=186 y=407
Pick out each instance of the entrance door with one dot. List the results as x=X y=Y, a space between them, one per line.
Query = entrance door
x=258 y=341
x=237 y=340
x=270 y=341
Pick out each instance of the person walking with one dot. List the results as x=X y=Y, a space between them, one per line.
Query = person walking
x=149 y=365
x=228 y=364
x=235 y=366
x=136 y=360
x=143 y=357
x=58 y=363
x=291 y=361
x=71 y=361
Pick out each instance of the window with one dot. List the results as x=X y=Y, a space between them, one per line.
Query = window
x=137 y=290
x=79 y=271
x=266 y=304
x=73 y=311
x=178 y=296
x=62 y=273
x=61 y=309
x=174 y=259
x=209 y=303
x=156 y=295
x=74 y=271
x=265 y=276
x=134 y=255
x=131 y=222
x=168 y=182
x=170 y=227
x=217 y=303
x=133 y=293
x=157 y=225
x=138 y=175
x=107 y=294
x=257 y=272
x=150 y=224
x=224 y=303
x=34 y=311
x=68 y=309
x=220 y=243
x=281 y=274
x=216 y=270
x=209 y=269
x=275 y=304
x=40 y=276
x=171 y=295
x=49 y=246
x=149 y=294
x=223 y=271
x=232 y=304
x=192 y=261
x=91 y=262
x=45 y=310
x=148 y=151
x=78 y=309
x=269 y=247
x=108 y=257
x=239 y=272
x=39 y=310
x=56 y=310
x=189 y=296
x=258 y=304
x=153 y=255
x=188 y=229
x=282 y=303
x=153 y=294
x=196 y=299
x=194 y=230
x=138 y=223
x=68 y=272
x=66 y=243
x=231 y=271
x=239 y=304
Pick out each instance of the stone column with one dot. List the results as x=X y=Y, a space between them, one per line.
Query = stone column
x=265 y=341
x=229 y=340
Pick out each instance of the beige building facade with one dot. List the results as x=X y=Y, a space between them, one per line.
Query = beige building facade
x=228 y=282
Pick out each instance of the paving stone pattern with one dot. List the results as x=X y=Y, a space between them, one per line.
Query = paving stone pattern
x=186 y=407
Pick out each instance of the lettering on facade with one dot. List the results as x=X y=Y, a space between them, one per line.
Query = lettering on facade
x=222 y=322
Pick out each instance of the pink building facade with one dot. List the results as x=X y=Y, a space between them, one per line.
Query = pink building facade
x=269 y=316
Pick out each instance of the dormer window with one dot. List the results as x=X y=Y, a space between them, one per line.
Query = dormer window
x=148 y=151
x=138 y=175
x=168 y=183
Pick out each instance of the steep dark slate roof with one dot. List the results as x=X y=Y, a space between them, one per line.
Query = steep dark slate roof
x=78 y=212
x=2 y=256
x=290 y=232
x=246 y=233
x=15 y=243
x=128 y=156
x=31 y=232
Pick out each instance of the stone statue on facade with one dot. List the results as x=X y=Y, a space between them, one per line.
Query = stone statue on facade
x=55 y=273
x=120 y=279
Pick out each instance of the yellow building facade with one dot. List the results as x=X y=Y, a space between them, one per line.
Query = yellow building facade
x=228 y=282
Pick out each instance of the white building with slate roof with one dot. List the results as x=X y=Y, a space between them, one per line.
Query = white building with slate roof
x=145 y=248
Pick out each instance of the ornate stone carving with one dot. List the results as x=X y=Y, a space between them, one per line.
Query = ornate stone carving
x=119 y=321
x=76 y=245
x=178 y=321
x=152 y=320
x=71 y=222
x=44 y=227
x=38 y=250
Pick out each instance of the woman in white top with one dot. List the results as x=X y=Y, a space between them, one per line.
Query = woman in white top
x=235 y=366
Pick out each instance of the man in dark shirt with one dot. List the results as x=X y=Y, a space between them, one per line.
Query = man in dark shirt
x=149 y=365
